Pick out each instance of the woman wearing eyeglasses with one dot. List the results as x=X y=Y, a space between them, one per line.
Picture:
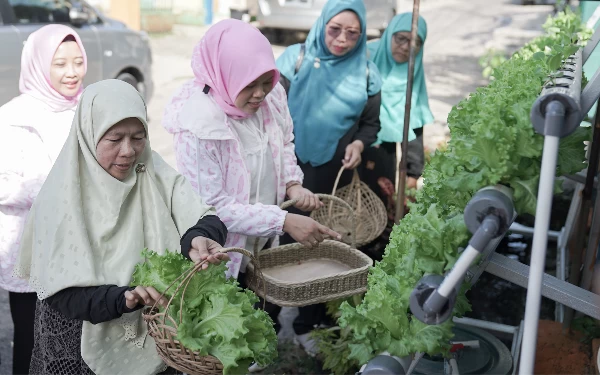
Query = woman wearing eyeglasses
x=334 y=100
x=390 y=54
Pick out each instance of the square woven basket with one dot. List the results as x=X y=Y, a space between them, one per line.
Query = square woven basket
x=334 y=285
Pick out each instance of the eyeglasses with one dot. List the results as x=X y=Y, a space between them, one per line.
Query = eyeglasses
x=401 y=40
x=335 y=31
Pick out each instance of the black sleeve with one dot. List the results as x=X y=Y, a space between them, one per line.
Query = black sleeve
x=210 y=227
x=95 y=304
x=368 y=124
x=415 y=155
x=285 y=83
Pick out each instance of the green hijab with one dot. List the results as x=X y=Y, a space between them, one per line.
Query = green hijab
x=395 y=79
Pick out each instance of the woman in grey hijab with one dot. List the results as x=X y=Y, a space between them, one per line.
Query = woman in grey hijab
x=107 y=197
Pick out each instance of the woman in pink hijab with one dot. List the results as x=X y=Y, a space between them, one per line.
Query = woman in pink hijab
x=33 y=129
x=233 y=140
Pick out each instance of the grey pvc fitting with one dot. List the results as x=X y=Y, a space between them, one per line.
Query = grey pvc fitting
x=491 y=200
x=383 y=365
x=488 y=230
x=435 y=303
x=566 y=91
x=436 y=311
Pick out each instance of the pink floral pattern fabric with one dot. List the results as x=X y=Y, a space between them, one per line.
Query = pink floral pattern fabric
x=209 y=156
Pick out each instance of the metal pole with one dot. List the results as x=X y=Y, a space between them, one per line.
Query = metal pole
x=594 y=236
x=592 y=247
x=401 y=156
x=555 y=117
x=208 y=12
x=579 y=234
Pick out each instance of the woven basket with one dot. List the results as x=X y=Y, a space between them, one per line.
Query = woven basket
x=316 y=289
x=369 y=210
x=165 y=335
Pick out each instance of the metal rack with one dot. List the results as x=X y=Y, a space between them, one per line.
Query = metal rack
x=558 y=112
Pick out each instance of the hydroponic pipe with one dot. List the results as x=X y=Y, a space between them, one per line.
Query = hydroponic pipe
x=486 y=232
x=488 y=216
x=440 y=299
x=566 y=89
x=554 y=122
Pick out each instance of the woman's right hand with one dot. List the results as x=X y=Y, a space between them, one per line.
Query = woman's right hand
x=307 y=231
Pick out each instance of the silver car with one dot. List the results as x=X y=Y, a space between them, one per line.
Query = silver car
x=300 y=15
x=113 y=50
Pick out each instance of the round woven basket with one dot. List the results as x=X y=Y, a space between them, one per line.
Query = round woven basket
x=370 y=212
x=163 y=328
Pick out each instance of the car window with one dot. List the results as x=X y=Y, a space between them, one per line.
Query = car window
x=46 y=11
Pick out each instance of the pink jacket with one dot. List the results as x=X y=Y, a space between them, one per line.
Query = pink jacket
x=208 y=155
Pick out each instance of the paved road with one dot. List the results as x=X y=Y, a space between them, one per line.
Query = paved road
x=460 y=32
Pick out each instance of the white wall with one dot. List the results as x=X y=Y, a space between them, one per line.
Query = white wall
x=181 y=6
x=102 y=5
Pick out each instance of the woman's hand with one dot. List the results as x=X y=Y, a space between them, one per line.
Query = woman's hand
x=411 y=183
x=352 y=158
x=307 y=231
x=307 y=200
x=143 y=295
x=206 y=249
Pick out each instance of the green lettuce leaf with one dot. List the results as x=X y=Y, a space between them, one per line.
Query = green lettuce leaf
x=492 y=142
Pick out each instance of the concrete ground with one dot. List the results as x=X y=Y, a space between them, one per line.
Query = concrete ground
x=459 y=32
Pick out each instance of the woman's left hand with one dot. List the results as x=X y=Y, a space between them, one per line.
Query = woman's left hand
x=206 y=249
x=352 y=158
x=307 y=200
x=143 y=295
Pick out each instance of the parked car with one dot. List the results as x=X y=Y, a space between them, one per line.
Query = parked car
x=243 y=9
x=300 y=15
x=113 y=50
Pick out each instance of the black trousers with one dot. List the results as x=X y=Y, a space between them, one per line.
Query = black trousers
x=22 y=309
x=309 y=315
x=381 y=162
x=271 y=309
x=318 y=180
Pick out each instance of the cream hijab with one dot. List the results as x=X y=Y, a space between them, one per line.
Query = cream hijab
x=87 y=228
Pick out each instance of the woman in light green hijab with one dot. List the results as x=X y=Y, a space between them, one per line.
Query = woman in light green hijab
x=107 y=197
x=390 y=54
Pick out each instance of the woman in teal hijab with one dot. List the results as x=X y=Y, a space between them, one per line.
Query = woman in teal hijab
x=333 y=93
x=334 y=100
x=390 y=54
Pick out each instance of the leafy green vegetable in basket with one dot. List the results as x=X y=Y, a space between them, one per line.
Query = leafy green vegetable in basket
x=492 y=142
x=218 y=317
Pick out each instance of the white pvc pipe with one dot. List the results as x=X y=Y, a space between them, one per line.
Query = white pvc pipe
x=459 y=270
x=538 y=254
x=522 y=229
x=497 y=327
x=454 y=367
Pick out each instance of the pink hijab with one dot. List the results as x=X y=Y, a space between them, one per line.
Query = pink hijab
x=229 y=57
x=36 y=60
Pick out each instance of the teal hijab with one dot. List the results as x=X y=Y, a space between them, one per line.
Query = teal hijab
x=395 y=79
x=328 y=93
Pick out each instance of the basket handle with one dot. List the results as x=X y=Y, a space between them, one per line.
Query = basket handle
x=331 y=198
x=355 y=186
x=189 y=273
